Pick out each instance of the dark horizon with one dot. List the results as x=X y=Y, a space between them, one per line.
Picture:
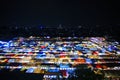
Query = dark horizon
x=55 y=12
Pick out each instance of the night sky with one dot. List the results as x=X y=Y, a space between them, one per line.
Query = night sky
x=53 y=12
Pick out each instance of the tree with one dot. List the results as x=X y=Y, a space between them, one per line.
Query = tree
x=82 y=72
